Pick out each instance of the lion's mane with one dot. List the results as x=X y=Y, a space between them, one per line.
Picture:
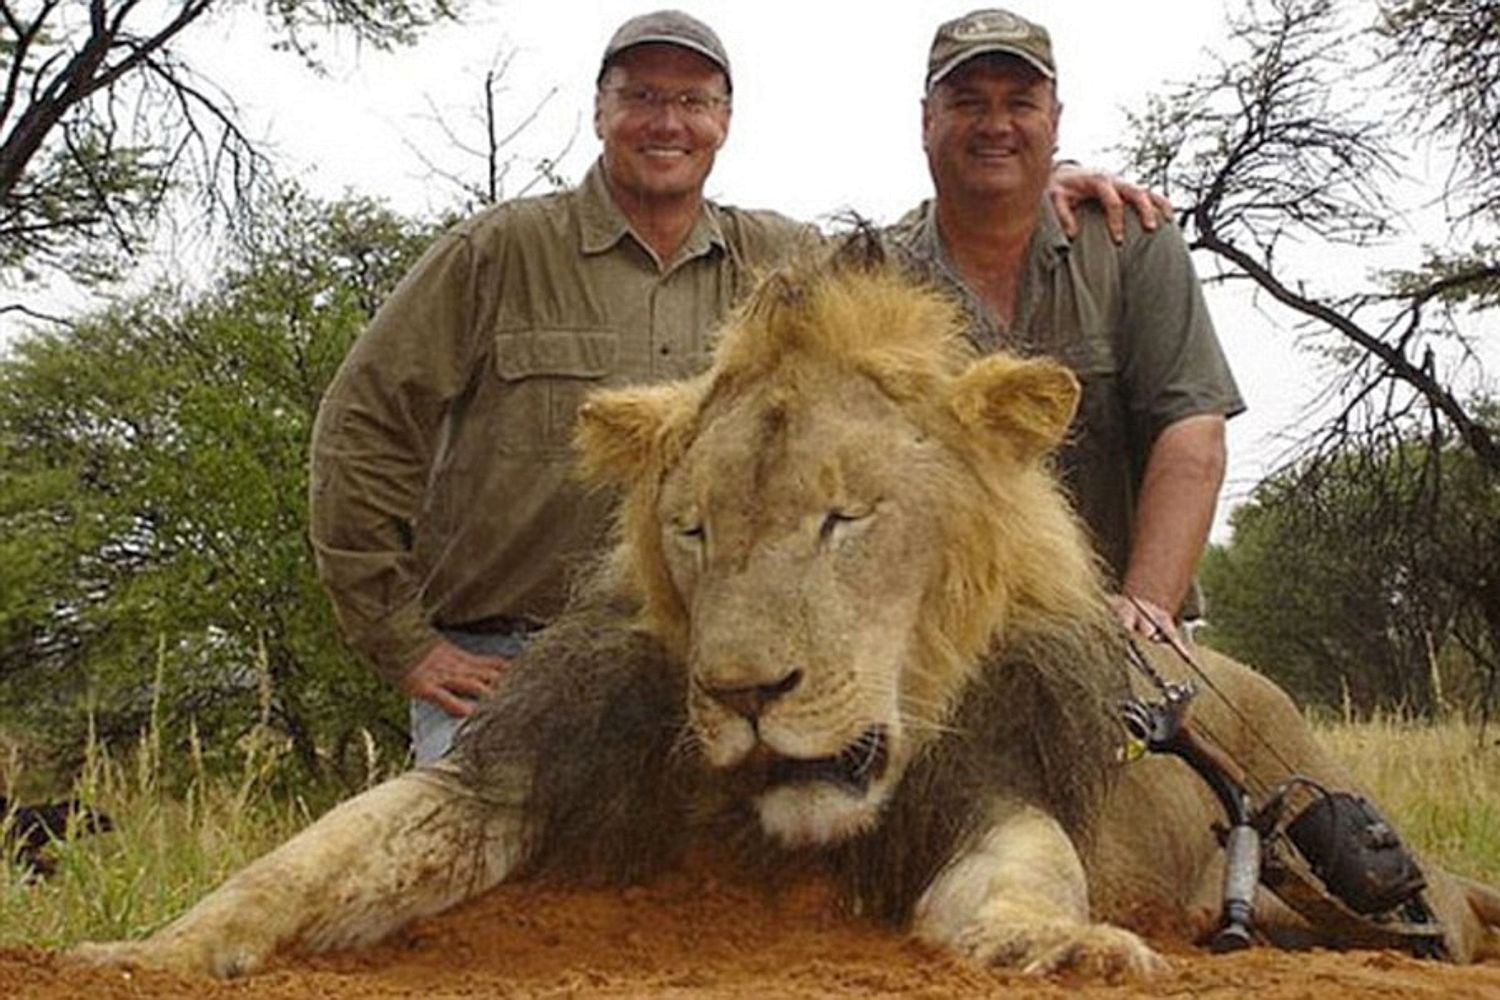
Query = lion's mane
x=1018 y=633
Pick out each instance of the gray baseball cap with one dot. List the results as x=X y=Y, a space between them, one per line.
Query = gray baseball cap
x=669 y=27
x=983 y=32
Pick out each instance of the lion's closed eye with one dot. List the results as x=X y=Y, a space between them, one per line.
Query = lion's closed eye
x=688 y=531
x=840 y=521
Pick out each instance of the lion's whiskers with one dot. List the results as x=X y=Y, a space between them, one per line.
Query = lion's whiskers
x=687 y=746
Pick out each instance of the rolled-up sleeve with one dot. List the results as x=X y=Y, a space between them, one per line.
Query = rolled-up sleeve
x=1175 y=367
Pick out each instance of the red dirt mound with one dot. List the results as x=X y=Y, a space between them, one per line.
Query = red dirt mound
x=689 y=936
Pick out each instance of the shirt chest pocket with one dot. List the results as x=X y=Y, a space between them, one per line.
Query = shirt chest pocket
x=1099 y=426
x=542 y=377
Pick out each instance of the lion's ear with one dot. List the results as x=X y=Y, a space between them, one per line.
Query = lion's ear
x=620 y=432
x=1028 y=403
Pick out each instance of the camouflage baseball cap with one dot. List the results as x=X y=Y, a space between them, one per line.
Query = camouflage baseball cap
x=982 y=32
x=669 y=27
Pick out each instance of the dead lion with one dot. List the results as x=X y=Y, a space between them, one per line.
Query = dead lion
x=852 y=621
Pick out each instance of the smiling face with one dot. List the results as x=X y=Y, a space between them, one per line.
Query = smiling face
x=990 y=129
x=659 y=152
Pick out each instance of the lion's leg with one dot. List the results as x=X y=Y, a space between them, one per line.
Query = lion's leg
x=1484 y=901
x=411 y=846
x=1019 y=897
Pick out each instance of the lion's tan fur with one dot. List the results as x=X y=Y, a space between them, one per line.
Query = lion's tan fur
x=1015 y=554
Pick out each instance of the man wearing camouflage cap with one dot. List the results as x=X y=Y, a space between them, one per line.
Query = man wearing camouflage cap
x=444 y=519
x=1147 y=456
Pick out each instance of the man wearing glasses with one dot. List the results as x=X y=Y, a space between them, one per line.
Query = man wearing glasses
x=444 y=518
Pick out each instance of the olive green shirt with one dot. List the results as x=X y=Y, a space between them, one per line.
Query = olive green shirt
x=442 y=489
x=1130 y=321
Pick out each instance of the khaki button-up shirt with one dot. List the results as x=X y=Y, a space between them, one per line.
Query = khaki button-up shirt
x=1130 y=321
x=442 y=489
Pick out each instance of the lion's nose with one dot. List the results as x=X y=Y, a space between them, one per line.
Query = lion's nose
x=750 y=700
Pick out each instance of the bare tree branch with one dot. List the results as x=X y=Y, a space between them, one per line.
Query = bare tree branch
x=493 y=147
x=25 y=310
x=1395 y=363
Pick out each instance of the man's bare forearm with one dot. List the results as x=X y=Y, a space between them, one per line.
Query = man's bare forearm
x=1179 y=493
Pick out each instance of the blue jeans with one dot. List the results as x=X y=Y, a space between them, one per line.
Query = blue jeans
x=432 y=729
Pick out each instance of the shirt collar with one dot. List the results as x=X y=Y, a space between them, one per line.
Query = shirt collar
x=1049 y=247
x=1049 y=238
x=604 y=225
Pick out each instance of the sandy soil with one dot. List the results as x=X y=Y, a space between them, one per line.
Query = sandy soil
x=690 y=937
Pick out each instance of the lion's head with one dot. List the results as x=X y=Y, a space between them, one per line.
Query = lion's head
x=833 y=528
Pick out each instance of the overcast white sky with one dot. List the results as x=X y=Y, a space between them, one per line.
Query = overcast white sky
x=826 y=117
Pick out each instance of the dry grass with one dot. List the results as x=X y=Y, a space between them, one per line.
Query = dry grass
x=166 y=850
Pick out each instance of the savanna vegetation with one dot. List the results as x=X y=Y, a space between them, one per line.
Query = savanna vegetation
x=153 y=503
x=1364 y=578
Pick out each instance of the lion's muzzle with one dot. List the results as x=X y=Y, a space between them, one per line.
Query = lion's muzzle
x=853 y=768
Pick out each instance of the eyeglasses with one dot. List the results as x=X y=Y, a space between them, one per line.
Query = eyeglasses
x=695 y=103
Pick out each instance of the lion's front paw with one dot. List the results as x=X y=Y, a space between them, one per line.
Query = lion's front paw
x=1097 y=950
x=221 y=960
